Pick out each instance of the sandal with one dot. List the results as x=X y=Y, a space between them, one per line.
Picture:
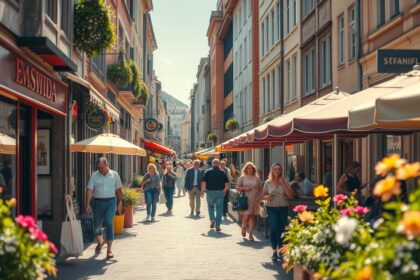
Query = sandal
x=251 y=238
x=109 y=255
x=99 y=247
x=243 y=232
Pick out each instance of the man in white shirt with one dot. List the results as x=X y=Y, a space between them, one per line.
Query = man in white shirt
x=105 y=187
x=305 y=185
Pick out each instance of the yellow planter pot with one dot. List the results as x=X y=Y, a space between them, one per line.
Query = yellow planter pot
x=118 y=224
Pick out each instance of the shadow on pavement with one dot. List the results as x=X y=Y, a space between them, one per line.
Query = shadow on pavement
x=126 y=234
x=282 y=274
x=215 y=234
x=194 y=217
x=82 y=269
x=253 y=244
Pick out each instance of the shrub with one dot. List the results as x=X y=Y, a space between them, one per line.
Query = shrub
x=212 y=137
x=120 y=73
x=129 y=197
x=232 y=124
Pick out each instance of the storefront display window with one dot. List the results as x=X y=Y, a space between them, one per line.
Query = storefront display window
x=8 y=117
x=393 y=145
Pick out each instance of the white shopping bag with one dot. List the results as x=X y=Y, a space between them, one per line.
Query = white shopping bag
x=71 y=233
x=162 y=198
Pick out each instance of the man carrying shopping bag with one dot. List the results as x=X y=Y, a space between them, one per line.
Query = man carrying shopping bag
x=105 y=187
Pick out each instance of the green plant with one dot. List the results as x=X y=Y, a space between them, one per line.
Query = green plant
x=120 y=73
x=136 y=81
x=130 y=197
x=136 y=182
x=93 y=27
x=232 y=124
x=25 y=252
x=267 y=119
x=212 y=137
x=144 y=94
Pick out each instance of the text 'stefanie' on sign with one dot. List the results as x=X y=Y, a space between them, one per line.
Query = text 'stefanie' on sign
x=397 y=61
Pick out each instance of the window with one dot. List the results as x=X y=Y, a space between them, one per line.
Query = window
x=263 y=39
x=278 y=16
x=51 y=9
x=289 y=82
x=308 y=6
x=287 y=16
x=250 y=45
x=250 y=7
x=381 y=12
x=267 y=36
x=395 y=7
x=245 y=52
x=325 y=58
x=295 y=13
x=273 y=90
x=352 y=34
x=272 y=27
x=341 y=40
x=294 y=77
x=66 y=17
x=240 y=59
x=268 y=92
x=309 y=72
x=263 y=96
x=228 y=80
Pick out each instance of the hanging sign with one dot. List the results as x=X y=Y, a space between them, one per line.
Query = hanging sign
x=160 y=127
x=96 y=117
x=397 y=61
x=151 y=124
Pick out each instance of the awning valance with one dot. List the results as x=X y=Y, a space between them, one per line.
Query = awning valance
x=95 y=96
x=158 y=148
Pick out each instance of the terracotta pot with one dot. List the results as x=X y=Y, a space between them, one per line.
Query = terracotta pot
x=301 y=273
x=128 y=217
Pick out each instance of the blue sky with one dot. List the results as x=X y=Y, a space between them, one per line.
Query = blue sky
x=180 y=27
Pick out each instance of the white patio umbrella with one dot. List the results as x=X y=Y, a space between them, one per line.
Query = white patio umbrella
x=107 y=143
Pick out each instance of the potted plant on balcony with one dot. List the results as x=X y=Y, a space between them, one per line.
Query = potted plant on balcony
x=93 y=27
x=212 y=137
x=267 y=119
x=202 y=145
x=144 y=94
x=232 y=124
x=136 y=81
x=130 y=197
x=120 y=72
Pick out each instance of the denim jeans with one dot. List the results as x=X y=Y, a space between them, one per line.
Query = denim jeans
x=277 y=220
x=215 y=198
x=169 y=195
x=152 y=198
x=103 y=214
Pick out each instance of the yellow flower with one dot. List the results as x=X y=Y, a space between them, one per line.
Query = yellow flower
x=12 y=202
x=388 y=164
x=364 y=274
x=306 y=217
x=317 y=276
x=410 y=223
x=408 y=171
x=284 y=249
x=387 y=187
x=321 y=191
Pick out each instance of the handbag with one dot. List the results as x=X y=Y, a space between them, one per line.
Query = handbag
x=71 y=232
x=263 y=209
x=240 y=202
x=162 y=198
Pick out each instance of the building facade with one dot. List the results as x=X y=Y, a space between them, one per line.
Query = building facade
x=186 y=134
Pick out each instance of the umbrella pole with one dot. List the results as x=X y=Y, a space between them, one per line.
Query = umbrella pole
x=335 y=164
x=271 y=160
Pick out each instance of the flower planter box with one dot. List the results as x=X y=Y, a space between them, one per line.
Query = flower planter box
x=128 y=217
x=301 y=273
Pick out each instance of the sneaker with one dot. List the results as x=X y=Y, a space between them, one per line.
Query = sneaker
x=275 y=257
x=213 y=222
x=153 y=219
x=218 y=228
x=148 y=218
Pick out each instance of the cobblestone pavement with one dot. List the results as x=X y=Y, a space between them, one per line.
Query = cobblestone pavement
x=177 y=247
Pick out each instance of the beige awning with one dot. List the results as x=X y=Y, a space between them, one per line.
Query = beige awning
x=107 y=143
x=397 y=110
x=95 y=96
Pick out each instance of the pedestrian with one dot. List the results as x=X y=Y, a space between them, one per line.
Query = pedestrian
x=226 y=197
x=152 y=187
x=275 y=193
x=215 y=183
x=168 y=184
x=251 y=184
x=327 y=181
x=349 y=182
x=180 y=174
x=104 y=187
x=234 y=173
x=305 y=185
x=193 y=179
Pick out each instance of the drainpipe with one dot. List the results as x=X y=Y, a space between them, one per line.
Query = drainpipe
x=358 y=46
x=281 y=82
x=72 y=103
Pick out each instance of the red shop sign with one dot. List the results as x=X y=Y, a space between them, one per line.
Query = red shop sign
x=31 y=83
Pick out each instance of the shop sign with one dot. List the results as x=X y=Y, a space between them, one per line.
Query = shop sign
x=29 y=82
x=96 y=117
x=160 y=127
x=397 y=61
x=151 y=124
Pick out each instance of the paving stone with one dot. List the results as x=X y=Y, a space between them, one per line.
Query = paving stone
x=177 y=247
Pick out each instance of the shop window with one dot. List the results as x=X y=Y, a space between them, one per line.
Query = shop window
x=8 y=160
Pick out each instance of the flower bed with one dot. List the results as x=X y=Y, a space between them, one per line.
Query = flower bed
x=336 y=242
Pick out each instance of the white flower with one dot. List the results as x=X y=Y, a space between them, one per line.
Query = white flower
x=378 y=222
x=10 y=249
x=344 y=229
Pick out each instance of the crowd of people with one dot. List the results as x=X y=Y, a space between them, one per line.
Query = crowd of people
x=213 y=182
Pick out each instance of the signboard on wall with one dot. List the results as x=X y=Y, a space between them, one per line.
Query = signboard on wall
x=397 y=61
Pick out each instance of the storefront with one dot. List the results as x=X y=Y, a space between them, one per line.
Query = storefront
x=33 y=107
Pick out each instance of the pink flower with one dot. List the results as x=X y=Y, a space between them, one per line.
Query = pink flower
x=26 y=222
x=53 y=248
x=339 y=198
x=38 y=234
x=360 y=210
x=300 y=208
x=346 y=212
